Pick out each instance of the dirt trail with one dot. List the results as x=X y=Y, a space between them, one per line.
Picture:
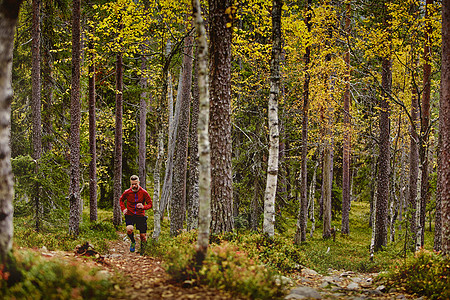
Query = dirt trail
x=147 y=279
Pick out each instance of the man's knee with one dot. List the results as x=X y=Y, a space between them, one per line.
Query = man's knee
x=143 y=237
x=130 y=229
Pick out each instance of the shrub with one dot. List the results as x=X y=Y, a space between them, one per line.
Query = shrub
x=225 y=267
x=48 y=279
x=427 y=273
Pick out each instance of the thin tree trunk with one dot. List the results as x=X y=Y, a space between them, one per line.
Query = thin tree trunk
x=327 y=185
x=178 y=201
x=272 y=166
x=143 y=125
x=75 y=113
x=8 y=16
x=192 y=197
x=36 y=107
x=413 y=167
x=347 y=138
x=300 y=234
x=203 y=137
x=92 y=140
x=312 y=192
x=117 y=214
x=424 y=126
x=438 y=217
x=157 y=217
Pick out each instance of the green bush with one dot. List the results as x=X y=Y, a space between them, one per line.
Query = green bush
x=225 y=267
x=41 y=278
x=427 y=273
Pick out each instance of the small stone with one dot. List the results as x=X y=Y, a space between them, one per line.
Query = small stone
x=353 y=286
x=303 y=292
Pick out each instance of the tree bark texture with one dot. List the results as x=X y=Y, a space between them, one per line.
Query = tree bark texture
x=192 y=195
x=75 y=114
x=444 y=128
x=92 y=141
x=220 y=116
x=178 y=202
x=413 y=168
x=384 y=160
x=424 y=127
x=9 y=11
x=117 y=213
x=36 y=106
x=274 y=135
x=143 y=125
x=300 y=235
x=204 y=218
x=345 y=228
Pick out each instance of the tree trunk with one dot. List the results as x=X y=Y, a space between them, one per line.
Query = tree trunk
x=220 y=116
x=192 y=196
x=300 y=234
x=8 y=16
x=327 y=183
x=444 y=129
x=36 y=107
x=384 y=159
x=173 y=127
x=203 y=137
x=143 y=125
x=157 y=216
x=347 y=138
x=92 y=140
x=75 y=114
x=178 y=201
x=413 y=168
x=274 y=136
x=117 y=213
x=438 y=217
x=424 y=127
x=47 y=76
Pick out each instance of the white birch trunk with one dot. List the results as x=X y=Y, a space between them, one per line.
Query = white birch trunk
x=204 y=218
x=272 y=167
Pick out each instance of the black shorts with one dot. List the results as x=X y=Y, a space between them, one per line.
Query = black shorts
x=139 y=221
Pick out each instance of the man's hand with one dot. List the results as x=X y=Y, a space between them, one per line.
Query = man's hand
x=125 y=211
x=140 y=205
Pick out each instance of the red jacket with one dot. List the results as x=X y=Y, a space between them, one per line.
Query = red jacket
x=132 y=199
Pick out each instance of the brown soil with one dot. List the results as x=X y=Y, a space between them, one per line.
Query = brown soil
x=146 y=278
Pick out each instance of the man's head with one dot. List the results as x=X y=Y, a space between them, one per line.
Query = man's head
x=134 y=180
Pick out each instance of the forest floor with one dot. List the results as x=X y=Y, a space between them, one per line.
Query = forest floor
x=144 y=277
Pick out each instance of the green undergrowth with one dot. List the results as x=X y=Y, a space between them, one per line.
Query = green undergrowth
x=225 y=267
x=56 y=236
x=427 y=273
x=28 y=275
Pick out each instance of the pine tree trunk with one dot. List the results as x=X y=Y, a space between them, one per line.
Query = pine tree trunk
x=204 y=219
x=8 y=16
x=381 y=207
x=424 y=127
x=178 y=201
x=272 y=166
x=92 y=141
x=75 y=113
x=117 y=213
x=157 y=216
x=347 y=139
x=444 y=129
x=47 y=77
x=36 y=107
x=220 y=116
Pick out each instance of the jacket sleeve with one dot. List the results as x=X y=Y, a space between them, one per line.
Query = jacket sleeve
x=147 y=201
x=122 y=203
